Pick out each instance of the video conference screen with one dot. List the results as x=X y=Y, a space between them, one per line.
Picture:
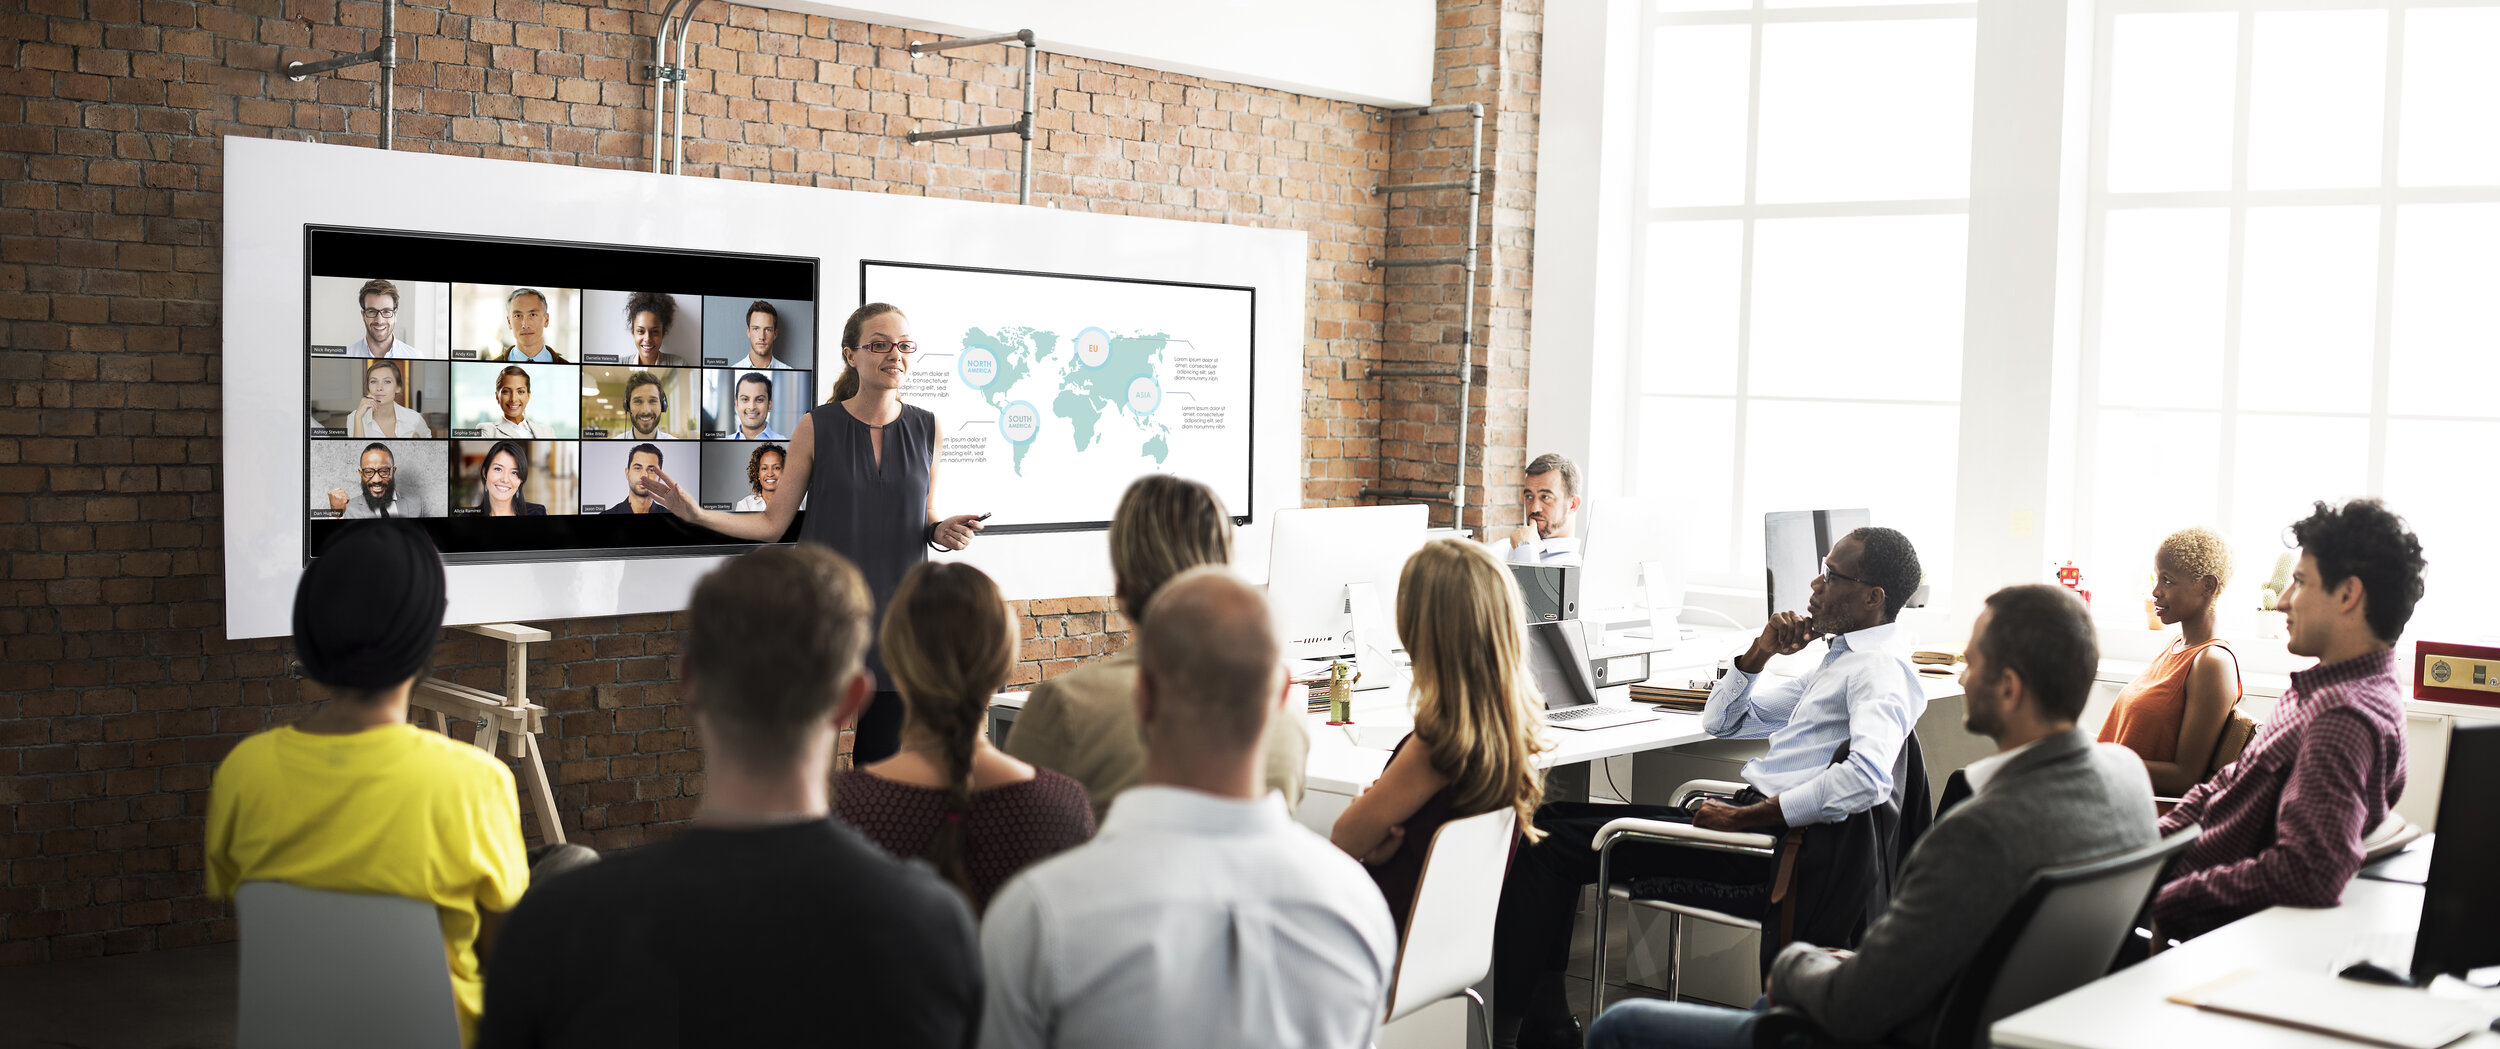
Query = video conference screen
x=513 y=397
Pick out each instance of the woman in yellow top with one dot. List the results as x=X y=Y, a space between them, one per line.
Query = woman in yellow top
x=1460 y=616
x=2172 y=714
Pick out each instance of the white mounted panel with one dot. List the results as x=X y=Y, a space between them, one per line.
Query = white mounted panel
x=274 y=189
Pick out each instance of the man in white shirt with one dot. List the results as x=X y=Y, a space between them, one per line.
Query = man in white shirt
x=752 y=406
x=1865 y=694
x=378 y=303
x=763 y=328
x=1202 y=914
x=512 y=398
x=527 y=317
x=1550 y=496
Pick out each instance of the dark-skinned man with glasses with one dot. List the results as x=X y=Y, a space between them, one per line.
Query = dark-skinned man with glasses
x=1864 y=693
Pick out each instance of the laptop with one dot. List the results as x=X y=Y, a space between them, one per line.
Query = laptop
x=1558 y=654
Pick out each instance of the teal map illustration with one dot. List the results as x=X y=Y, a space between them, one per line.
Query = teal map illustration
x=1106 y=386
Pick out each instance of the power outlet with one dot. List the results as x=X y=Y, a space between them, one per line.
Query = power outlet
x=2447 y=671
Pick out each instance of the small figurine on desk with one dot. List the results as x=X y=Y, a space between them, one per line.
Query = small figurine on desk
x=2071 y=578
x=1341 y=679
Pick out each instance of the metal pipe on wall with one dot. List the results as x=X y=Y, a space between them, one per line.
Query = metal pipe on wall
x=386 y=54
x=1466 y=260
x=677 y=131
x=1023 y=127
x=662 y=75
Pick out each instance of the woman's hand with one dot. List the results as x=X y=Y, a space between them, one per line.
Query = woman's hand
x=955 y=533
x=1388 y=847
x=665 y=491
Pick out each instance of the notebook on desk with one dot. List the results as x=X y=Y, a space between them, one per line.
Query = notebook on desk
x=2377 y=1014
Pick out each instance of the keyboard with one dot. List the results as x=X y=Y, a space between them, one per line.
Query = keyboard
x=1582 y=711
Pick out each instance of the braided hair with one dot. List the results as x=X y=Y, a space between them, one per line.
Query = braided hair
x=950 y=642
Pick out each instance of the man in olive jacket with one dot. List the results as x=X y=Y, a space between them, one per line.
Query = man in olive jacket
x=2049 y=797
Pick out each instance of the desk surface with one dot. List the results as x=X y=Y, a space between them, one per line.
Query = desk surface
x=2130 y=1010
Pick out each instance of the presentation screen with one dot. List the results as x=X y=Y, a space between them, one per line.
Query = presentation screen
x=513 y=397
x=1054 y=391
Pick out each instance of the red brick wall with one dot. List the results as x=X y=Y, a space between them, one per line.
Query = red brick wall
x=118 y=693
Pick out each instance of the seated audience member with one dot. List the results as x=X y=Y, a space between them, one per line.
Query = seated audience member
x=766 y=922
x=1459 y=615
x=641 y=461
x=384 y=411
x=1550 y=496
x=1202 y=915
x=2283 y=824
x=648 y=317
x=1083 y=724
x=507 y=469
x=948 y=796
x=2048 y=797
x=1864 y=694
x=763 y=477
x=2171 y=715
x=354 y=798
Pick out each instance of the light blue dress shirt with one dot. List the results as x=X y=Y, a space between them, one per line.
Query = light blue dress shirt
x=1865 y=691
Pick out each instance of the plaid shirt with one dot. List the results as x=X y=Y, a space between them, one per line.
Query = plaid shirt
x=2283 y=824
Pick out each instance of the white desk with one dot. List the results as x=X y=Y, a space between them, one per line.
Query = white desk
x=2130 y=1010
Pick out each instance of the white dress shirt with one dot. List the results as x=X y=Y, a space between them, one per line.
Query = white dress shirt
x=748 y=505
x=1190 y=920
x=524 y=430
x=399 y=349
x=403 y=419
x=1978 y=773
x=1865 y=692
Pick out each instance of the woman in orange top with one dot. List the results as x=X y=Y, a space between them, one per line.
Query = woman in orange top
x=2172 y=714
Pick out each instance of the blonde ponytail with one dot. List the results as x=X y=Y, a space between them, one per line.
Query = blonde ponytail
x=1459 y=614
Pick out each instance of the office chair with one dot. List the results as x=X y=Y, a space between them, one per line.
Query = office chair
x=337 y=968
x=1448 y=947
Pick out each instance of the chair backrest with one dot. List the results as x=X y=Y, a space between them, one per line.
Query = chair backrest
x=2062 y=933
x=2238 y=731
x=335 y=968
x=1449 y=933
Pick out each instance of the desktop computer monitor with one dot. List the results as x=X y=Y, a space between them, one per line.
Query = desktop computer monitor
x=1794 y=543
x=1558 y=660
x=1316 y=551
x=2460 y=929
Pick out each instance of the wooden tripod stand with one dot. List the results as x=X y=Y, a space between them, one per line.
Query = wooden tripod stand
x=510 y=718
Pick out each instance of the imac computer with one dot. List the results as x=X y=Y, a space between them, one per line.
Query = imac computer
x=1794 y=543
x=2460 y=929
x=1317 y=554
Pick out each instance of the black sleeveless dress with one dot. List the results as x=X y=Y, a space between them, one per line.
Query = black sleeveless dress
x=875 y=514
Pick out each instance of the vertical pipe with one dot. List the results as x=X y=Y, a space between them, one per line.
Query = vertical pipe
x=1024 y=174
x=1467 y=335
x=390 y=61
x=659 y=82
x=677 y=165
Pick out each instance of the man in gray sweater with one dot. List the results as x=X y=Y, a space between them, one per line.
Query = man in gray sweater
x=2048 y=797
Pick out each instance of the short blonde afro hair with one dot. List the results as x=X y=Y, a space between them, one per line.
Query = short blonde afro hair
x=2199 y=552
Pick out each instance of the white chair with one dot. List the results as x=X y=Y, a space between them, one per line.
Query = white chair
x=1449 y=930
x=323 y=969
x=1667 y=832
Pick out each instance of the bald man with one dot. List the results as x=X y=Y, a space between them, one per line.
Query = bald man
x=1201 y=914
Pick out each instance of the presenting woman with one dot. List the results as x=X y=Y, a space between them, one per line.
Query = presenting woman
x=507 y=469
x=2172 y=714
x=870 y=461
x=384 y=410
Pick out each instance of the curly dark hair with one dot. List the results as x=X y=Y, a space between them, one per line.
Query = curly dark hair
x=654 y=303
x=2366 y=539
x=1891 y=563
x=755 y=465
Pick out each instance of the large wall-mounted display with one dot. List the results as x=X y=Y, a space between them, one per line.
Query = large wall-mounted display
x=452 y=339
x=1054 y=391
x=512 y=397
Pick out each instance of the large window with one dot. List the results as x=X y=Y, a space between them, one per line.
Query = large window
x=1800 y=229
x=2291 y=285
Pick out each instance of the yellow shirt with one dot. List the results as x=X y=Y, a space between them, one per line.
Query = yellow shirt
x=395 y=810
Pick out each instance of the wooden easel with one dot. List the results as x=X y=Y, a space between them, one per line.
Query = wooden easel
x=510 y=717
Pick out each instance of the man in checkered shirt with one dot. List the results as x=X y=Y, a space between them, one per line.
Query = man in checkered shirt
x=2283 y=824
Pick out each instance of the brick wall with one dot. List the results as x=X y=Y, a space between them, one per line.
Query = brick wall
x=118 y=693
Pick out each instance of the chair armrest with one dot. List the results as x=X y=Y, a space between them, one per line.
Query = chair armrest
x=1668 y=832
x=1776 y=1026
x=1714 y=787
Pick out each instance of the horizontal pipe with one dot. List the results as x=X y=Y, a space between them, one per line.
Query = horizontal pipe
x=1021 y=36
x=1411 y=373
x=1415 y=186
x=300 y=70
x=966 y=132
x=1407 y=493
x=1425 y=111
x=1384 y=264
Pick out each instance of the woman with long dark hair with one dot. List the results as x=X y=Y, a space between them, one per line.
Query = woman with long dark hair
x=947 y=795
x=506 y=469
x=870 y=462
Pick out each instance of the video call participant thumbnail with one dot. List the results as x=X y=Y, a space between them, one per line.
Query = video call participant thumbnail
x=763 y=477
x=759 y=334
x=740 y=476
x=514 y=478
x=376 y=398
x=752 y=405
x=650 y=318
x=640 y=404
x=368 y=318
x=384 y=411
x=377 y=479
x=616 y=477
x=377 y=302
x=526 y=319
x=516 y=402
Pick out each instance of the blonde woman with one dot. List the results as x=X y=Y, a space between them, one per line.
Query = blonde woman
x=1460 y=616
x=1084 y=722
x=2172 y=714
x=948 y=796
x=384 y=411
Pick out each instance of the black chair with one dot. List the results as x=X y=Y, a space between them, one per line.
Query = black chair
x=2060 y=934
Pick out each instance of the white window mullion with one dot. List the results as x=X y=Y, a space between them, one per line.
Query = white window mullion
x=1744 y=298
x=2383 y=330
x=2227 y=461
